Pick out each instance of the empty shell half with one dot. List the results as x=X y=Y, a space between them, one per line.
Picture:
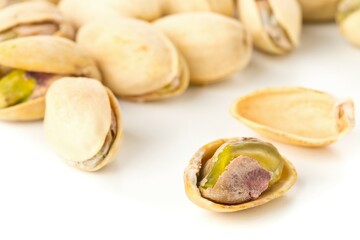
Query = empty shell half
x=275 y=25
x=296 y=116
x=29 y=65
x=318 y=10
x=83 y=122
x=234 y=174
x=33 y=18
x=213 y=45
x=348 y=18
x=137 y=60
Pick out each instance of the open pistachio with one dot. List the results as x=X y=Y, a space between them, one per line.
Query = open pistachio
x=80 y=12
x=348 y=18
x=225 y=7
x=234 y=174
x=83 y=122
x=318 y=10
x=296 y=116
x=33 y=18
x=275 y=25
x=138 y=61
x=214 y=46
x=29 y=65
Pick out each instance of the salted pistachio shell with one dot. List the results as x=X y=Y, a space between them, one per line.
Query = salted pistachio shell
x=43 y=54
x=138 y=61
x=297 y=116
x=275 y=25
x=30 y=13
x=348 y=18
x=192 y=178
x=318 y=10
x=225 y=7
x=80 y=12
x=78 y=119
x=214 y=46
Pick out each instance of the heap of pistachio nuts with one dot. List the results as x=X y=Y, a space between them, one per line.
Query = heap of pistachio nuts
x=49 y=69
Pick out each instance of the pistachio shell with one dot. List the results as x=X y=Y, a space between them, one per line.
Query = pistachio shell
x=213 y=45
x=78 y=119
x=42 y=54
x=284 y=21
x=319 y=10
x=28 y=13
x=138 y=61
x=296 y=116
x=192 y=173
x=225 y=7
x=348 y=18
x=80 y=12
x=5 y=3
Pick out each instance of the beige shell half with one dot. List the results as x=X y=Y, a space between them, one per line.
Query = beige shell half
x=286 y=12
x=225 y=7
x=213 y=45
x=318 y=10
x=349 y=26
x=192 y=172
x=78 y=119
x=297 y=116
x=43 y=54
x=28 y=13
x=80 y=12
x=136 y=59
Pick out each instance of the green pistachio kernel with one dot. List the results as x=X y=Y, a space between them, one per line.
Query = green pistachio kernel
x=265 y=153
x=15 y=87
x=7 y=36
x=346 y=8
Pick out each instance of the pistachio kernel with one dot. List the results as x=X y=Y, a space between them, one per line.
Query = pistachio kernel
x=346 y=8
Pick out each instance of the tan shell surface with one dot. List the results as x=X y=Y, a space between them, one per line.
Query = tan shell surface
x=296 y=116
x=80 y=12
x=192 y=172
x=5 y=3
x=135 y=58
x=225 y=7
x=43 y=54
x=77 y=117
x=286 y=12
x=350 y=29
x=35 y=12
x=213 y=45
x=318 y=10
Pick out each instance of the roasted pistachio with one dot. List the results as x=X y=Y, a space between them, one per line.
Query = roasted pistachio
x=225 y=7
x=234 y=174
x=296 y=116
x=275 y=25
x=83 y=122
x=29 y=65
x=348 y=18
x=138 y=61
x=5 y=3
x=214 y=46
x=318 y=10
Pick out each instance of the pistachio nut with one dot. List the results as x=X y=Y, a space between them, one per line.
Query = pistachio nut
x=83 y=122
x=214 y=46
x=230 y=175
x=138 y=61
x=348 y=18
x=275 y=25
x=33 y=18
x=5 y=3
x=225 y=7
x=29 y=65
x=318 y=10
x=80 y=12
x=296 y=116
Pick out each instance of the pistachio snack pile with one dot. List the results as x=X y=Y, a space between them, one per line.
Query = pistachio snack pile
x=67 y=61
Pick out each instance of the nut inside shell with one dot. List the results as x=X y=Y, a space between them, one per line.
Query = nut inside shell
x=348 y=19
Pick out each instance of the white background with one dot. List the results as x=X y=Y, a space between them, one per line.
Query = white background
x=141 y=193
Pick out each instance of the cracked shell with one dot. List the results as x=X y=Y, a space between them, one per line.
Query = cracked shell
x=348 y=19
x=213 y=45
x=192 y=180
x=297 y=116
x=275 y=25
x=44 y=54
x=137 y=60
x=319 y=10
x=83 y=122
